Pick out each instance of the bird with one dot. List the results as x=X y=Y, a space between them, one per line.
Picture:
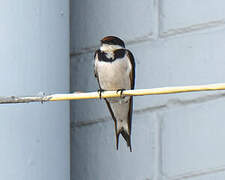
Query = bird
x=114 y=68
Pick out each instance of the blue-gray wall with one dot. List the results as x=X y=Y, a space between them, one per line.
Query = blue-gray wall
x=175 y=43
x=34 y=57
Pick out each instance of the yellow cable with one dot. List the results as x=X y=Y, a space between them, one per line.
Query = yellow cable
x=110 y=94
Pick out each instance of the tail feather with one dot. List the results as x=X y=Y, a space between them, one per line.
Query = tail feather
x=122 y=126
x=126 y=136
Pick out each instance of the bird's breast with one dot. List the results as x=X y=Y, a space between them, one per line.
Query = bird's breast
x=114 y=75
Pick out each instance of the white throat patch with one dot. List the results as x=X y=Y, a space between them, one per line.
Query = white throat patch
x=109 y=48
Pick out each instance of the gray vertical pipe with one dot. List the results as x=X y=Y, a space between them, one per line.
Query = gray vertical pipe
x=34 y=57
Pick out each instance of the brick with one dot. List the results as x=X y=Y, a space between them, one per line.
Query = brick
x=180 y=14
x=192 y=138
x=92 y=20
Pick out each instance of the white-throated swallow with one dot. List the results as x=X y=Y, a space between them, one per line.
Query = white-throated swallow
x=114 y=69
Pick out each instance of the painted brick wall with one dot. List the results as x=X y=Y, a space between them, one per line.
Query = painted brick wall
x=174 y=136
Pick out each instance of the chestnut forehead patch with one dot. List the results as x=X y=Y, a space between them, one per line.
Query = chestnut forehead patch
x=108 y=38
x=113 y=41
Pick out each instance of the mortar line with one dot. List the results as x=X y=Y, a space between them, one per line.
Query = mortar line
x=144 y=38
x=193 y=28
x=170 y=33
x=171 y=103
x=198 y=173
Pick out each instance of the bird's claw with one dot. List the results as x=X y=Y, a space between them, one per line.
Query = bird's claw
x=121 y=92
x=100 y=92
x=42 y=94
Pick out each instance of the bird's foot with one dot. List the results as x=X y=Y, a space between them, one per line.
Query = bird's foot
x=42 y=95
x=121 y=92
x=100 y=92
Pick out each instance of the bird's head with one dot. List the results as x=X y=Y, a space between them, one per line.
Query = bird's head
x=111 y=43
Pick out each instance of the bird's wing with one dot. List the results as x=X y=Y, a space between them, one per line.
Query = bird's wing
x=95 y=61
x=132 y=73
x=132 y=79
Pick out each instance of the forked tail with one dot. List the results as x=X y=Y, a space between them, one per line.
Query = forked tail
x=126 y=135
